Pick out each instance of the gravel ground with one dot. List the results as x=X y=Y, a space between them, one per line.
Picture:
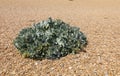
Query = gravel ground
x=98 y=19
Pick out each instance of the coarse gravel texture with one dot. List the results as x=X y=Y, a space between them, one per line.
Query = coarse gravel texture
x=98 y=19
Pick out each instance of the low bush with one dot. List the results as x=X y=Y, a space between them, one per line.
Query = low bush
x=50 y=39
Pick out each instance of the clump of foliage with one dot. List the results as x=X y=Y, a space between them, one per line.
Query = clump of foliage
x=50 y=39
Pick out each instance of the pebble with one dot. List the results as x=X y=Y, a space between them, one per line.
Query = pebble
x=62 y=65
x=70 y=67
x=10 y=54
x=52 y=68
x=36 y=63
x=13 y=72
x=106 y=74
x=0 y=72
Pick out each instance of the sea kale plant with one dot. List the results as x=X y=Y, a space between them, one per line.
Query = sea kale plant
x=50 y=39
